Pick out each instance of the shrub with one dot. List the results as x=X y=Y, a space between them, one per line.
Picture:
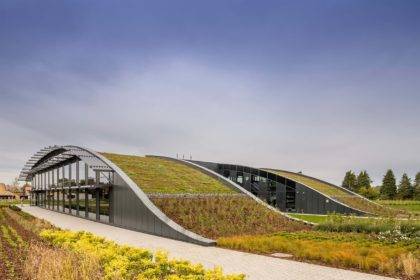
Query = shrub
x=124 y=262
x=14 y=208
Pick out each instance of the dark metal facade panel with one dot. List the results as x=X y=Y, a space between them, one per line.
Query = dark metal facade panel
x=306 y=199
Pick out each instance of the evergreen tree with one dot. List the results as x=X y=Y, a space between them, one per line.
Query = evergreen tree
x=389 y=186
x=417 y=186
x=350 y=181
x=405 y=190
x=363 y=180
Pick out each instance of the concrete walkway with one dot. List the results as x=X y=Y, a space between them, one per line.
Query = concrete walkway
x=254 y=266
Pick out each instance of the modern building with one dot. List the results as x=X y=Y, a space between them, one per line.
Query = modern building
x=81 y=182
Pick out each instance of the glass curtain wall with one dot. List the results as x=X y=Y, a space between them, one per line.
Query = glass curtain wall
x=59 y=194
x=66 y=195
x=52 y=190
x=262 y=184
x=91 y=194
x=82 y=191
x=47 y=189
x=72 y=188
x=75 y=189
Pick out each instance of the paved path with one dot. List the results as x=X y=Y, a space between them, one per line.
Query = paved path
x=254 y=266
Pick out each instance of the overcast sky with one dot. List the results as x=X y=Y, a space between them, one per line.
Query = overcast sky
x=313 y=86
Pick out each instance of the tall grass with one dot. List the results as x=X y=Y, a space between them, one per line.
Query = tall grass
x=344 y=250
x=219 y=216
x=51 y=263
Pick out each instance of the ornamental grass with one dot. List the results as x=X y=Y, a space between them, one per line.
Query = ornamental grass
x=218 y=216
x=344 y=250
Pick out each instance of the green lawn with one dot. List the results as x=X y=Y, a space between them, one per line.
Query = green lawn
x=412 y=206
x=309 y=218
x=156 y=175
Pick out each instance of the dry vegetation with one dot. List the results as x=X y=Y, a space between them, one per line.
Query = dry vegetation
x=224 y=215
x=347 y=250
x=24 y=255
x=156 y=175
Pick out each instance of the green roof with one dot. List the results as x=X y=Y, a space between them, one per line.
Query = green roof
x=336 y=193
x=158 y=175
x=317 y=185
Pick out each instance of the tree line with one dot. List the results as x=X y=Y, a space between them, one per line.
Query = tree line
x=361 y=184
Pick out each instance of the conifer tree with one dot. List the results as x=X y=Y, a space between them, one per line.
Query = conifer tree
x=389 y=186
x=363 y=180
x=417 y=186
x=349 y=181
x=405 y=190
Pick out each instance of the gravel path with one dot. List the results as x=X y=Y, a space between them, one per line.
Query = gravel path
x=254 y=266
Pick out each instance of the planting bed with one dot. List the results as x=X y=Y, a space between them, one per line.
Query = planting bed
x=224 y=215
x=14 y=243
x=346 y=250
x=32 y=249
x=157 y=175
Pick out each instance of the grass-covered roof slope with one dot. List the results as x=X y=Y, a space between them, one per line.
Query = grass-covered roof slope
x=221 y=215
x=349 y=199
x=158 y=175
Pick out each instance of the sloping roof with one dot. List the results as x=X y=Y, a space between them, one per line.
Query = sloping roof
x=4 y=192
x=158 y=175
x=335 y=192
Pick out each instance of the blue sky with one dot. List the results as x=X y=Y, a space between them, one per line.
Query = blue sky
x=313 y=86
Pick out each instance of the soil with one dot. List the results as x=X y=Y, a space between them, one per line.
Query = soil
x=15 y=255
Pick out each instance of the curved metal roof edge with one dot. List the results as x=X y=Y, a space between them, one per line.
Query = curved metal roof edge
x=234 y=185
x=150 y=205
x=135 y=188
x=327 y=196
x=358 y=210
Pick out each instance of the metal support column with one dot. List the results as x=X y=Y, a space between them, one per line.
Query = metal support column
x=97 y=193
x=77 y=188
x=69 y=192
x=86 y=194
x=58 y=192
x=63 y=194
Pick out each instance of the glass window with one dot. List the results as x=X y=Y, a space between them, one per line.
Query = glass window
x=66 y=189
x=53 y=198
x=82 y=202
x=104 y=195
x=91 y=199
